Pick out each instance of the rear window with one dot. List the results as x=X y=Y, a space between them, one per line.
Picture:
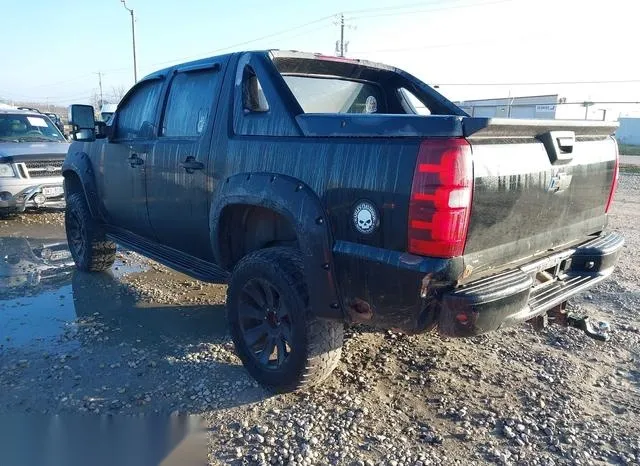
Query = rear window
x=334 y=95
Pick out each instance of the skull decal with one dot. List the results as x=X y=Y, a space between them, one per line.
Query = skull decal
x=365 y=217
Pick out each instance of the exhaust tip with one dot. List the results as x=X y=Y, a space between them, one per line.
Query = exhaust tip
x=360 y=310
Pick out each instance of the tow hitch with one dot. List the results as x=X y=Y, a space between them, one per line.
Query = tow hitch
x=596 y=329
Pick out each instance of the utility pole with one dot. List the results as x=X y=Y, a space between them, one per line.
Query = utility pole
x=341 y=45
x=100 y=83
x=133 y=39
x=341 y=34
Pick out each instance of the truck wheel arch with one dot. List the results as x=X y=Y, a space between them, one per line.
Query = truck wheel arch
x=295 y=202
x=79 y=176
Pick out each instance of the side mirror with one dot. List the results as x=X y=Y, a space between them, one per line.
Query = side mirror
x=83 y=123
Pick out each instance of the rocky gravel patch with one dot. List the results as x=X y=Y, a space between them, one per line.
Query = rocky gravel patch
x=43 y=216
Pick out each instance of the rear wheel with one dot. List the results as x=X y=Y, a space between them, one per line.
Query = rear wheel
x=277 y=337
x=89 y=246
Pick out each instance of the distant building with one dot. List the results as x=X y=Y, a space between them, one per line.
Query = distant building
x=546 y=107
x=629 y=131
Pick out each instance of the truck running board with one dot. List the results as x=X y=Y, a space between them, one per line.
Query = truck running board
x=197 y=268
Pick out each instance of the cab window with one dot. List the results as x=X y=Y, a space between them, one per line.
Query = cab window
x=136 y=117
x=189 y=103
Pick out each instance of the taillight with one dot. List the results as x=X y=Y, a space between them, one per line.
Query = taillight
x=614 y=182
x=440 y=202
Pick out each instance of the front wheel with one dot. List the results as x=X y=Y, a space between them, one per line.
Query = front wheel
x=277 y=337
x=89 y=246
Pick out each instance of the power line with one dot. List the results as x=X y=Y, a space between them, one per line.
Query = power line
x=547 y=83
x=388 y=11
x=324 y=18
x=60 y=83
x=268 y=36
x=285 y=31
x=413 y=12
x=51 y=101
x=439 y=46
x=305 y=32
x=396 y=7
x=405 y=6
x=473 y=103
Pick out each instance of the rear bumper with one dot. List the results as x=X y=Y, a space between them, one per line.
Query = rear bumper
x=387 y=289
x=521 y=294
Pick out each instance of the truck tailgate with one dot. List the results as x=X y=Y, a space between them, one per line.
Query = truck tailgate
x=538 y=186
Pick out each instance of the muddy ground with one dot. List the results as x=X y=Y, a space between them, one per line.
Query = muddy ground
x=143 y=339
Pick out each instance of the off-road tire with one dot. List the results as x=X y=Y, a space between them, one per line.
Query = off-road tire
x=317 y=343
x=89 y=246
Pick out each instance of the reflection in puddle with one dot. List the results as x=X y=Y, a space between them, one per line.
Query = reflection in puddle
x=45 y=304
x=36 y=320
x=28 y=266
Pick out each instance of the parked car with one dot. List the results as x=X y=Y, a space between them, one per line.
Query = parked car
x=32 y=150
x=55 y=119
x=28 y=265
x=107 y=111
x=312 y=185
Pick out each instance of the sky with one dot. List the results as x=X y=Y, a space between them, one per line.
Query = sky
x=472 y=49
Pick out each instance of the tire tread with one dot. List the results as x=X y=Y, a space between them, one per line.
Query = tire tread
x=324 y=336
x=102 y=253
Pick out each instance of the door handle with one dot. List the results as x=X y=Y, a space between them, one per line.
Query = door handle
x=135 y=161
x=191 y=164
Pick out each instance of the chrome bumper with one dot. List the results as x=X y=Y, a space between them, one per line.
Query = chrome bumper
x=32 y=196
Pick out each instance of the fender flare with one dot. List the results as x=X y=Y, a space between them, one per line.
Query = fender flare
x=79 y=164
x=297 y=202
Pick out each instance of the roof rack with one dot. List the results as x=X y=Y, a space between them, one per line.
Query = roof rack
x=31 y=109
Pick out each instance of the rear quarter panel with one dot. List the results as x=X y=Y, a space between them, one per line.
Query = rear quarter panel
x=341 y=172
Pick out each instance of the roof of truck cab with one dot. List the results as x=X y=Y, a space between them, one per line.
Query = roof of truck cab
x=275 y=54
x=294 y=54
x=200 y=62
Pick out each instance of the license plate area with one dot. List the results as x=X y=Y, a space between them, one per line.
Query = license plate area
x=548 y=270
x=53 y=191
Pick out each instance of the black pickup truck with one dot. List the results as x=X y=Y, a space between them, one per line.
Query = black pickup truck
x=328 y=191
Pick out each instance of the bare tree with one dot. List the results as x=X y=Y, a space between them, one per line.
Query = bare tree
x=96 y=101
x=117 y=93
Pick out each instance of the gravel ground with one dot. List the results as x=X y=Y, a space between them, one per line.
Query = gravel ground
x=145 y=339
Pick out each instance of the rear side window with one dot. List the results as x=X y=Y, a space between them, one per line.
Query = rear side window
x=411 y=103
x=253 y=98
x=137 y=115
x=189 y=103
x=333 y=95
